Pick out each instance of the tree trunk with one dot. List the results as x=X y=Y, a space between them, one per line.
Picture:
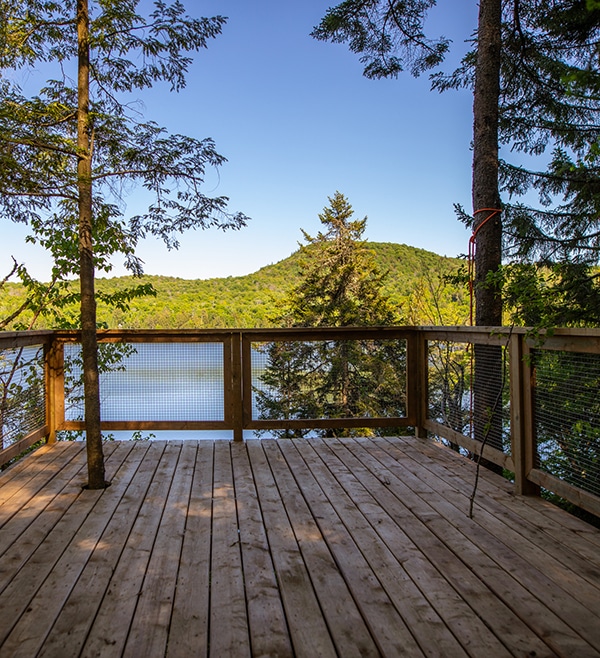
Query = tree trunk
x=488 y=225
x=488 y=252
x=89 y=345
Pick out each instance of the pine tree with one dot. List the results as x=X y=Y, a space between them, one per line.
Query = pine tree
x=340 y=285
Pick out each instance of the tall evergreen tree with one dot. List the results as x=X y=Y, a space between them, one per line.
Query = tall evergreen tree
x=68 y=152
x=544 y=55
x=340 y=286
x=340 y=282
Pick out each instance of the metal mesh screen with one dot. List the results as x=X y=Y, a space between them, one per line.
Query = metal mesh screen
x=567 y=416
x=329 y=379
x=151 y=382
x=22 y=391
x=468 y=390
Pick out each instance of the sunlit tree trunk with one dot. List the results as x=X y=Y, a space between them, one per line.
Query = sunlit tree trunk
x=488 y=224
x=89 y=343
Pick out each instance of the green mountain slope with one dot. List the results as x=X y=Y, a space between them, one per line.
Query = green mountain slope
x=414 y=283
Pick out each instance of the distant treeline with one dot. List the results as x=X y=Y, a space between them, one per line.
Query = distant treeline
x=416 y=283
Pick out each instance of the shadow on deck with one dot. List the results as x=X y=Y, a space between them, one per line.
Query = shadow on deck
x=348 y=547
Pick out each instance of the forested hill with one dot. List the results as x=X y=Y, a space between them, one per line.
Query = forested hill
x=414 y=283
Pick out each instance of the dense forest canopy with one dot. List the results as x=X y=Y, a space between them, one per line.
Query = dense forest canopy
x=415 y=285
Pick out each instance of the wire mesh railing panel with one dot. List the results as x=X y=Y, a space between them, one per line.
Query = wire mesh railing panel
x=468 y=390
x=449 y=384
x=151 y=382
x=22 y=393
x=328 y=379
x=567 y=416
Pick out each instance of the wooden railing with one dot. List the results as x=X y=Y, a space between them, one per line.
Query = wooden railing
x=445 y=373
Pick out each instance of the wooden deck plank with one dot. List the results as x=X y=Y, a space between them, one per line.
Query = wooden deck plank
x=17 y=595
x=518 y=531
x=29 y=483
x=23 y=472
x=528 y=514
x=418 y=551
x=70 y=629
x=149 y=630
x=556 y=585
x=40 y=513
x=288 y=548
x=189 y=628
x=269 y=635
x=346 y=625
x=418 y=525
x=488 y=558
x=229 y=632
x=29 y=633
x=308 y=630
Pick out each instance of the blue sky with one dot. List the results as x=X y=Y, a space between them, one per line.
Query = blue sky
x=297 y=121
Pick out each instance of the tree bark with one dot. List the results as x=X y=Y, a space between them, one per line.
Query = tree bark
x=487 y=222
x=488 y=254
x=89 y=345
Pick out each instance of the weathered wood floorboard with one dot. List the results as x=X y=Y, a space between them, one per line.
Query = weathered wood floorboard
x=284 y=548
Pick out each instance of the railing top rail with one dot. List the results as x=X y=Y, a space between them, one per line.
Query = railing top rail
x=141 y=335
x=465 y=329
x=16 y=339
x=316 y=333
x=148 y=335
x=569 y=337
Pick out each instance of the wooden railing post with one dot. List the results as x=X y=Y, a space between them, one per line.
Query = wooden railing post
x=521 y=415
x=54 y=364
x=236 y=382
x=416 y=381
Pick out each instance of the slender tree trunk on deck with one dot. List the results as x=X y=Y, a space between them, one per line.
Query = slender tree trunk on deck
x=89 y=343
x=488 y=224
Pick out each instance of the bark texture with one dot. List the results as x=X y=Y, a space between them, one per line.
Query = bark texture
x=488 y=254
x=488 y=223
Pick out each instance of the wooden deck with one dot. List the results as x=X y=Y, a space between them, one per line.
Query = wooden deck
x=287 y=548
